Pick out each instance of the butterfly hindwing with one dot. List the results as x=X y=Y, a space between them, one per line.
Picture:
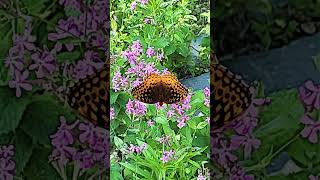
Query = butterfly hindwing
x=230 y=95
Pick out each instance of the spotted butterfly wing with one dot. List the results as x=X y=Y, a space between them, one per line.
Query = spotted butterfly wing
x=160 y=88
x=230 y=96
x=149 y=91
x=174 y=90
x=89 y=97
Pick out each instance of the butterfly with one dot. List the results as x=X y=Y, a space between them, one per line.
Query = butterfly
x=156 y=88
x=230 y=96
x=90 y=97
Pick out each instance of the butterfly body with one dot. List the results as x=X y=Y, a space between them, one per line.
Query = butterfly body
x=230 y=96
x=160 y=89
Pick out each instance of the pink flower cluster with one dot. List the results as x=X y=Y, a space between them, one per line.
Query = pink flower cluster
x=206 y=92
x=137 y=149
x=136 y=108
x=139 y=68
x=7 y=165
x=43 y=61
x=178 y=111
x=223 y=146
x=68 y=139
x=310 y=97
x=133 y=5
x=167 y=156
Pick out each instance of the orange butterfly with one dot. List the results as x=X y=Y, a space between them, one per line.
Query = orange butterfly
x=160 y=88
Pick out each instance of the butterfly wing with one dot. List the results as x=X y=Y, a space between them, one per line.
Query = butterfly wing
x=173 y=90
x=89 y=97
x=149 y=90
x=230 y=97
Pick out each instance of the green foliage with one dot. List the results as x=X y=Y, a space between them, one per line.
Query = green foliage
x=189 y=143
x=268 y=23
x=11 y=110
x=172 y=28
x=279 y=131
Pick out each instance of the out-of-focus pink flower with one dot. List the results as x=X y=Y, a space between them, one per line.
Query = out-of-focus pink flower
x=20 y=81
x=311 y=129
x=247 y=141
x=310 y=95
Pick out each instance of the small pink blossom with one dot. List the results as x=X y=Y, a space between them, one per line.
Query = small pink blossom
x=310 y=95
x=150 y=52
x=150 y=123
x=311 y=128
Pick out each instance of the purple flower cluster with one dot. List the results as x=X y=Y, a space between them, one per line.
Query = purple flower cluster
x=93 y=141
x=223 y=146
x=310 y=97
x=165 y=140
x=167 y=156
x=148 y=21
x=16 y=63
x=313 y=177
x=112 y=113
x=137 y=149
x=134 y=53
x=136 y=108
x=150 y=123
x=206 y=92
x=133 y=5
x=178 y=111
x=138 y=70
x=119 y=82
x=7 y=165
x=25 y=57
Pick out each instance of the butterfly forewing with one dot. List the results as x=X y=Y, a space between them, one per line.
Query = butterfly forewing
x=174 y=91
x=89 y=97
x=230 y=95
x=149 y=90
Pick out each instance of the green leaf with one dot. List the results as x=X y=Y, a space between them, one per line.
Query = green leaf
x=195 y=164
x=23 y=150
x=161 y=43
x=161 y=119
x=279 y=123
x=168 y=50
x=136 y=169
x=118 y=142
x=5 y=39
x=41 y=119
x=202 y=125
x=11 y=109
x=183 y=50
x=34 y=6
x=113 y=97
x=177 y=37
x=115 y=172
x=68 y=56
x=40 y=168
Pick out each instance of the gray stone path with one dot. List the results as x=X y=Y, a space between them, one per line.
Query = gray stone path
x=281 y=68
x=199 y=82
